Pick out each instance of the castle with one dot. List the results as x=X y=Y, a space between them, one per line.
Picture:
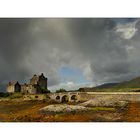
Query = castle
x=37 y=84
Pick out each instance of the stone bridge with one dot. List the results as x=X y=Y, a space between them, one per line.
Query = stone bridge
x=64 y=97
x=85 y=96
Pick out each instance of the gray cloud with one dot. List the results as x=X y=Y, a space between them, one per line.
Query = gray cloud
x=94 y=46
x=14 y=44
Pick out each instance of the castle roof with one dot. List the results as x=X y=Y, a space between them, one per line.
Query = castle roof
x=13 y=83
x=36 y=77
x=42 y=76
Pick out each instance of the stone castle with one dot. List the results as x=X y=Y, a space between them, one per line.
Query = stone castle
x=37 y=84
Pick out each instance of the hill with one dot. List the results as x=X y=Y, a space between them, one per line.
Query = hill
x=132 y=85
x=107 y=85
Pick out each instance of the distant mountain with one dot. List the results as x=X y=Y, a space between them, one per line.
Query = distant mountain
x=132 y=85
x=107 y=85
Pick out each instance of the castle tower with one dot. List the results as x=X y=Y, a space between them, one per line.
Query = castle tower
x=40 y=80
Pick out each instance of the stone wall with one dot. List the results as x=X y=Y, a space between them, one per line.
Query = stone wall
x=39 y=80
x=38 y=84
x=84 y=96
x=42 y=82
x=116 y=96
x=10 y=89
x=64 y=97
x=16 y=87
x=34 y=80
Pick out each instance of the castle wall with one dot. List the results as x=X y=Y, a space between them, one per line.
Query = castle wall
x=42 y=82
x=17 y=88
x=13 y=88
x=23 y=88
x=34 y=80
x=10 y=89
x=35 y=85
x=30 y=88
x=33 y=89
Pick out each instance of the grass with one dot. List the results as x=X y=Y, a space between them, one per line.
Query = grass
x=102 y=109
x=16 y=95
x=11 y=95
x=28 y=111
x=117 y=90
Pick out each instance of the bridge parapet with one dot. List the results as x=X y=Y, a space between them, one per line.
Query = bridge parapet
x=64 y=97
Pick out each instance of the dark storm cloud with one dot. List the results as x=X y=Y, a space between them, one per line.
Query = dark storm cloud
x=14 y=45
x=103 y=49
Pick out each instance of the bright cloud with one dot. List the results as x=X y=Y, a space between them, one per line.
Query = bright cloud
x=127 y=30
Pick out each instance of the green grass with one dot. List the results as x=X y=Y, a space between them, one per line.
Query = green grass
x=16 y=95
x=102 y=109
x=11 y=95
x=117 y=89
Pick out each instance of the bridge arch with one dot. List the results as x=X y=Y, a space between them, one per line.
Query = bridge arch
x=73 y=97
x=57 y=97
x=65 y=99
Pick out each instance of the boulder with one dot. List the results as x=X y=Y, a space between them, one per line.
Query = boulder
x=64 y=108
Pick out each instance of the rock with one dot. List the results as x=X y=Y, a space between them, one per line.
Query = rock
x=107 y=103
x=58 y=108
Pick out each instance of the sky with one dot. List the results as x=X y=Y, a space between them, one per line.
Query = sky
x=71 y=52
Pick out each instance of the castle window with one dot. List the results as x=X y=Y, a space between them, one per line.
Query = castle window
x=36 y=96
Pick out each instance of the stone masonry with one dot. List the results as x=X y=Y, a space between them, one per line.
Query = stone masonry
x=36 y=85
